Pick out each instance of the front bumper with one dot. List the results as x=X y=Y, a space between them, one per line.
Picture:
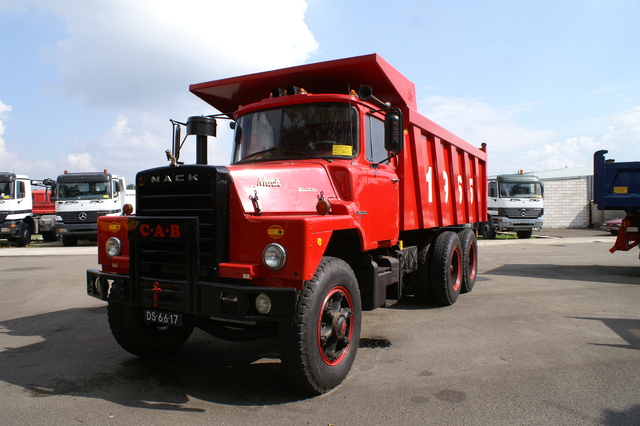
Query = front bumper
x=214 y=300
x=509 y=224
x=77 y=228
x=11 y=229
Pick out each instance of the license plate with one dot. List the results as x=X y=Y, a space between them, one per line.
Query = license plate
x=162 y=317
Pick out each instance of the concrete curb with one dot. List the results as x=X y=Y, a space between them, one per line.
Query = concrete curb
x=48 y=251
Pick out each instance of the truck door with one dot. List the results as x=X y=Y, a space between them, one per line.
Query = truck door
x=381 y=191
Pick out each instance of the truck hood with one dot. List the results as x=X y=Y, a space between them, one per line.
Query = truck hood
x=283 y=188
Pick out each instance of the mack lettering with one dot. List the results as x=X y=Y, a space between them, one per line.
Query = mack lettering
x=175 y=178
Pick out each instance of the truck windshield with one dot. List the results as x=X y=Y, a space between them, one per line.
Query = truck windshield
x=6 y=190
x=83 y=190
x=521 y=190
x=299 y=131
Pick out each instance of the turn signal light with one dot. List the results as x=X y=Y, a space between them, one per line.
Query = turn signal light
x=323 y=207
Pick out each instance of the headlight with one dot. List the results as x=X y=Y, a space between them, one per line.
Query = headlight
x=113 y=246
x=263 y=303
x=274 y=256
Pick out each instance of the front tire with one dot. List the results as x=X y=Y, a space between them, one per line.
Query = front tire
x=140 y=338
x=25 y=236
x=523 y=235
x=319 y=347
x=487 y=230
x=69 y=240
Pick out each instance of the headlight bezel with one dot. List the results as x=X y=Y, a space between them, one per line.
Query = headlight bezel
x=113 y=247
x=274 y=256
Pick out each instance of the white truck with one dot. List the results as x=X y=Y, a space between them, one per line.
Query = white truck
x=82 y=198
x=515 y=202
x=24 y=210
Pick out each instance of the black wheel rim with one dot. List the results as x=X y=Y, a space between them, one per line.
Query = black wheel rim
x=335 y=326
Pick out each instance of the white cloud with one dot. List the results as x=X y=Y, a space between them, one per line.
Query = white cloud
x=134 y=61
x=137 y=53
x=512 y=146
x=608 y=89
x=79 y=162
x=620 y=136
x=6 y=158
x=572 y=152
x=477 y=122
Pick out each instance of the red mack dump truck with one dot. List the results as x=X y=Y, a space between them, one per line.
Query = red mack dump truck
x=335 y=201
x=616 y=186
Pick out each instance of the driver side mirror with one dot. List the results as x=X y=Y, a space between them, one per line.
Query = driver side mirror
x=394 y=130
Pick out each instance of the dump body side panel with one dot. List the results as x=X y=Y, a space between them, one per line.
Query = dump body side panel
x=616 y=186
x=443 y=178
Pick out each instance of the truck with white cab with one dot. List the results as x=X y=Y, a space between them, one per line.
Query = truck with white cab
x=82 y=198
x=515 y=204
x=26 y=208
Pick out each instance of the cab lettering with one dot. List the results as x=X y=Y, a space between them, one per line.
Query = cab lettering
x=146 y=230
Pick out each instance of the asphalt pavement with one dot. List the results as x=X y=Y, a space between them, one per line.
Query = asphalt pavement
x=550 y=335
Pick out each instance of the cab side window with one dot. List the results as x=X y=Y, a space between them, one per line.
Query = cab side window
x=374 y=128
x=21 y=190
x=493 y=189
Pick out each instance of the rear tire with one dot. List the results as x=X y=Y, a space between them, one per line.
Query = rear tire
x=420 y=280
x=446 y=268
x=319 y=347
x=140 y=338
x=50 y=236
x=469 y=259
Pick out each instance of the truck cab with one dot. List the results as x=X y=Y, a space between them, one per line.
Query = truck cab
x=16 y=208
x=515 y=203
x=82 y=198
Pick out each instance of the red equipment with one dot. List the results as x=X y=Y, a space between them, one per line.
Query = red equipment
x=335 y=202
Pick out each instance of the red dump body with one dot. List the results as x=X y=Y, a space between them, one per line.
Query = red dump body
x=42 y=203
x=442 y=179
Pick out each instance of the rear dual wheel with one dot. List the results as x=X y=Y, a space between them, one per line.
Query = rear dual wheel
x=469 y=245
x=446 y=268
x=319 y=347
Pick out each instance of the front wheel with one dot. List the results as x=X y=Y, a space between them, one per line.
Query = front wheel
x=140 y=338
x=69 y=240
x=25 y=236
x=487 y=230
x=523 y=235
x=319 y=347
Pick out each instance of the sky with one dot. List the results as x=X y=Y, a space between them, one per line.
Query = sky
x=91 y=85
